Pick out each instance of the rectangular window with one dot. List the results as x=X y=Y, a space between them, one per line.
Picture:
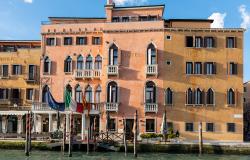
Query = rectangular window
x=115 y=19
x=245 y=89
x=170 y=125
x=209 y=42
x=198 y=42
x=210 y=68
x=210 y=127
x=5 y=70
x=125 y=19
x=16 y=70
x=189 y=127
x=143 y=18
x=50 y=42
x=150 y=125
x=189 y=68
x=231 y=42
x=189 y=41
x=29 y=94
x=232 y=68
x=96 y=41
x=197 y=68
x=112 y=125
x=68 y=41
x=32 y=72
x=81 y=40
x=4 y=94
x=152 y=18
x=230 y=127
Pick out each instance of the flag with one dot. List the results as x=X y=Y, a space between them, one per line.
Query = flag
x=52 y=103
x=76 y=107
x=84 y=102
x=164 y=126
x=67 y=98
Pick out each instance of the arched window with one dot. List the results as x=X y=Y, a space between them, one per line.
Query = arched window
x=46 y=65
x=168 y=97
x=98 y=62
x=198 y=96
x=189 y=96
x=210 y=96
x=230 y=97
x=112 y=92
x=150 y=90
x=78 y=94
x=151 y=55
x=69 y=89
x=68 y=64
x=89 y=62
x=88 y=94
x=45 y=89
x=98 y=94
x=79 y=64
x=113 y=55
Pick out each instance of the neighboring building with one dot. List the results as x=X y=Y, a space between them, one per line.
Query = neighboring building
x=246 y=99
x=19 y=82
x=132 y=60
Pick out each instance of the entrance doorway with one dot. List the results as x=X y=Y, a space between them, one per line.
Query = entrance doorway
x=129 y=129
x=46 y=125
x=12 y=124
x=94 y=124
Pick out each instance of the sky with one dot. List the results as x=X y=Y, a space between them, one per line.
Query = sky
x=21 y=19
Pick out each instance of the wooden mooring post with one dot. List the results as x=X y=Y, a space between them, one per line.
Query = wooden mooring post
x=70 y=134
x=27 y=136
x=64 y=135
x=124 y=137
x=200 y=139
x=88 y=136
x=135 y=134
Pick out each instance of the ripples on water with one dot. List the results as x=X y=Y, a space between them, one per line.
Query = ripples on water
x=36 y=155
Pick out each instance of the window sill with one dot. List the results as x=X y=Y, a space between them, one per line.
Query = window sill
x=210 y=105
x=231 y=105
x=168 y=105
x=68 y=73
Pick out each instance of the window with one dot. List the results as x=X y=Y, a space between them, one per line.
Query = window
x=32 y=72
x=78 y=94
x=68 y=65
x=168 y=62
x=15 y=95
x=81 y=40
x=245 y=89
x=89 y=63
x=198 y=97
x=79 y=63
x=210 y=96
x=5 y=71
x=16 y=70
x=143 y=18
x=189 y=68
x=29 y=94
x=88 y=94
x=115 y=19
x=150 y=125
x=233 y=68
x=152 y=18
x=112 y=125
x=46 y=65
x=96 y=40
x=230 y=97
x=45 y=89
x=151 y=55
x=189 y=127
x=170 y=125
x=230 y=127
x=150 y=96
x=209 y=42
x=197 y=68
x=169 y=97
x=113 y=55
x=98 y=62
x=189 y=41
x=168 y=37
x=98 y=95
x=50 y=42
x=198 y=42
x=210 y=68
x=189 y=96
x=4 y=94
x=210 y=127
x=125 y=19
x=112 y=92
x=68 y=41
x=231 y=42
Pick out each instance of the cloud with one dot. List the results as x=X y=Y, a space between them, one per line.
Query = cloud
x=245 y=17
x=132 y=2
x=28 y=1
x=218 y=19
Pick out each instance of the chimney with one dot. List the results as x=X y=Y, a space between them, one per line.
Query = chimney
x=110 y=2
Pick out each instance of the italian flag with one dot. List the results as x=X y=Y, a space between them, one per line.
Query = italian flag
x=72 y=104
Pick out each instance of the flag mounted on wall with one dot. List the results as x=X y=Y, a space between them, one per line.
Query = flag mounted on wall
x=52 y=103
x=71 y=103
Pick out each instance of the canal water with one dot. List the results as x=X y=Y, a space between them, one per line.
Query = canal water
x=42 y=155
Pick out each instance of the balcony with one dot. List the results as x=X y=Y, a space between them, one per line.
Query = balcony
x=95 y=109
x=151 y=108
x=152 y=70
x=40 y=107
x=4 y=76
x=113 y=70
x=86 y=73
x=5 y=102
x=111 y=107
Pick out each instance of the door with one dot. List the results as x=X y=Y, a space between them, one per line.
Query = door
x=94 y=124
x=129 y=129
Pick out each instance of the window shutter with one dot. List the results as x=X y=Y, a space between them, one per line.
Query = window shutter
x=58 y=42
x=93 y=40
x=235 y=42
x=22 y=69
x=226 y=42
x=228 y=69
x=236 y=68
x=1 y=70
x=214 y=68
x=119 y=57
x=205 y=68
x=204 y=97
x=236 y=97
x=21 y=96
x=73 y=65
x=50 y=67
x=205 y=42
x=214 y=41
x=202 y=42
x=118 y=94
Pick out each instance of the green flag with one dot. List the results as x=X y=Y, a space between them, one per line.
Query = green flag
x=67 y=98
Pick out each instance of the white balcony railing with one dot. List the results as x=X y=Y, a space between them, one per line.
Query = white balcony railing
x=152 y=69
x=5 y=102
x=113 y=70
x=87 y=73
x=151 y=107
x=40 y=107
x=112 y=107
x=95 y=109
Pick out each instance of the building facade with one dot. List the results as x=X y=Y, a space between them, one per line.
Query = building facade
x=19 y=82
x=135 y=60
x=246 y=100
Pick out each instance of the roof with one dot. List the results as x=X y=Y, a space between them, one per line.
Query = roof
x=72 y=18
x=189 y=20
x=20 y=41
x=144 y=6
